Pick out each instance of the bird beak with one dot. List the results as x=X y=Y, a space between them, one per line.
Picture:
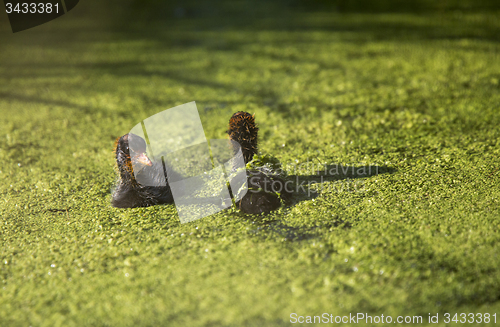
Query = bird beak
x=143 y=159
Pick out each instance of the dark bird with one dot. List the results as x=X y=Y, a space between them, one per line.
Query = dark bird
x=265 y=189
x=144 y=187
x=264 y=193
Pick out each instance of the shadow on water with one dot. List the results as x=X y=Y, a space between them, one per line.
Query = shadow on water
x=276 y=228
x=350 y=178
x=308 y=187
x=381 y=20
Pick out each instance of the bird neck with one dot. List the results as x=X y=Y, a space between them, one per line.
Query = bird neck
x=248 y=149
x=126 y=170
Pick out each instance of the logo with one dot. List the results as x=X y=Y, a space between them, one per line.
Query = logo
x=197 y=170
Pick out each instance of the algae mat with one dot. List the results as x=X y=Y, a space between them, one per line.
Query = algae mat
x=388 y=125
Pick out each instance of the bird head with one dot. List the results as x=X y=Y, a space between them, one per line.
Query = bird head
x=244 y=131
x=130 y=150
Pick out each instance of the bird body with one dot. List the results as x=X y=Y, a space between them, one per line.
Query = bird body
x=265 y=189
x=265 y=192
x=144 y=187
